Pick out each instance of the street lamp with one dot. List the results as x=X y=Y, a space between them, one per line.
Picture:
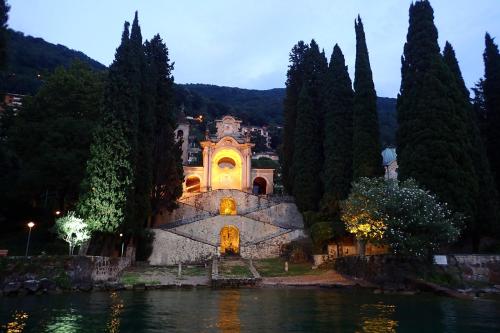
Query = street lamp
x=30 y=225
x=121 y=237
x=58 y=212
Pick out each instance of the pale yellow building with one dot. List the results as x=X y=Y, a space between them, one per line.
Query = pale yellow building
x=227 y=163
x=226 y=207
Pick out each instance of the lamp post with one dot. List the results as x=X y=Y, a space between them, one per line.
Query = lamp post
x=121 y=237
x=30 y=225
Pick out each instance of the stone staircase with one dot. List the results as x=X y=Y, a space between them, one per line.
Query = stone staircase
x=233 y=272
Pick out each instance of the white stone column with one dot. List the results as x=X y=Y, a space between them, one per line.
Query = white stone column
x=209 y=167
x=205 y=168
x=249 y=171
x=244 y=167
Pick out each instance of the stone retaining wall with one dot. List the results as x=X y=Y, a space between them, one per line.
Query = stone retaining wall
x=475 y=267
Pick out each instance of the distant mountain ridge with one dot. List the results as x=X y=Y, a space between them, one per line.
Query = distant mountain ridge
x=30 y=59
x=263 y=107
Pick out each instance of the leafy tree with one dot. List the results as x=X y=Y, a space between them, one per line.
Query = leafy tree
x=401 y=214
x=259 y=140
x=337 y=170
x=294 y=82
x=51 y=136
x=110 y=170
x=108 y=180
x=367 y=160
x=486 y=215
x=4 y=10
x=321 y=234
x=491 y=90
x=361 y=211
x=433 y=139
x=73 y=230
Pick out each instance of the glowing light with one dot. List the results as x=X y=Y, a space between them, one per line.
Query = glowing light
x=227 y=175
x=227 y=206
x=31 y=224
x=58 y=212
x=229 y=240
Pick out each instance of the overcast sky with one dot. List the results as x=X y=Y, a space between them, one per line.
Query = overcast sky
x=246 y=43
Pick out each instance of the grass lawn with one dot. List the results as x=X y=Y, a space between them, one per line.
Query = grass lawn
x=235 y=269
x=194 y=271
x=131 y=278
x=276 y=267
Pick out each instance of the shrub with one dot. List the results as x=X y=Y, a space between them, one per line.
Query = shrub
x=408 y=218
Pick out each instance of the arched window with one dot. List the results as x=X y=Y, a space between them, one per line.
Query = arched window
x=192 y=184
x=259 y=186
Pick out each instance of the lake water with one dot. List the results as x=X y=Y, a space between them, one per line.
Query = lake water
x=246 y=310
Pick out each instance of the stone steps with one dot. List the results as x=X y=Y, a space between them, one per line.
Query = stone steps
x=221 y=276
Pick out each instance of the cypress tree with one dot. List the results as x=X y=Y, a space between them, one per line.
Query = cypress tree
x=486 y=201
x=338 y=133
x=109 y=173
x=142 y=134
x=367 y=158
x=167 y=168
x=491 y=91
x=308 y=150
x=433 y=139
x=295 y=77
x=4 y=11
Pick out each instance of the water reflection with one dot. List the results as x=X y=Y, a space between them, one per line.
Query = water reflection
x=17 y=323
x=228 y=320
x=116 y=310
x=377 y=318
x=67 y=321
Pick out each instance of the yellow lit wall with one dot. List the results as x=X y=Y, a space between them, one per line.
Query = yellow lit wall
x=227 y=178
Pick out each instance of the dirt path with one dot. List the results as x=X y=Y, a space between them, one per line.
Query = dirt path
x=328 y=278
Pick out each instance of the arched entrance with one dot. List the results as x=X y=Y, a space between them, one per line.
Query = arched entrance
x=229 y=240
x=227 y=206
x=259 y=185
x=193 y=184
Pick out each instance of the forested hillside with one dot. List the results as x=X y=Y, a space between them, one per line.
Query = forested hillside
x=262 y=107
x=31 y=59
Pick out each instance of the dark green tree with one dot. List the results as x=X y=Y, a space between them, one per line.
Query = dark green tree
x=141 y=132
x=367 y=159
x=4 y=16
x=491 y=91
x=51 y=137
x=337 y=169
x=259 y=140
x=433 y=138
x=167 y=167
x=487 y=199
x=308 y=144
x=295 y=78
x=110 y=170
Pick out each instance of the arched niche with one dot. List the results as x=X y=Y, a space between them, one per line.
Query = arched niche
x=227 y=206
x=229 y=240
